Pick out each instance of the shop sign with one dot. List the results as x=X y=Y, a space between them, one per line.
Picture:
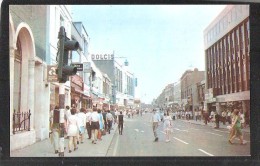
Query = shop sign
x=102 y=57
x=87 y=67
x=51 y=73
x=78 y=65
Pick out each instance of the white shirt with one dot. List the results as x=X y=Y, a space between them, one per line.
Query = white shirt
x=109 y=116
x=94 y=117
x=156 y=117
x=67 y=113
x=81 y=119
x=88 y=116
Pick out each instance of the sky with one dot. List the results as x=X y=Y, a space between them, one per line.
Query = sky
x=160 y=42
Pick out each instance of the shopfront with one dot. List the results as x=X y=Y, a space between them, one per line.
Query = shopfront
x=76 y=91
x=86 y=99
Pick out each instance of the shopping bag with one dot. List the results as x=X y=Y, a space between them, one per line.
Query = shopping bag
x=99 y=134
x=103 y=132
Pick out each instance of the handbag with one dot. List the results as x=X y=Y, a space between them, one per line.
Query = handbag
x=99 y=134
x=103 y=132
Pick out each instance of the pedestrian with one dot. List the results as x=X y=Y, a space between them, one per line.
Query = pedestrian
x=54 y=125
x=196 y=114
x=242 y=117
x=120 y=122
x=109 y=119
x=224 y=114
x=104 y=114
x=82 y=124
x=236 y=125
x=73 y=129
x=229 y=116
x=155 y=120
x=101 y=124
x=167 y=124
x=94 y=120
x=88 y=126
x=67 y=112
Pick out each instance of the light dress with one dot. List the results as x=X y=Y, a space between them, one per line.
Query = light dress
x=100 y=121
x=73 y=127
x=167 y=123
x=81 y=122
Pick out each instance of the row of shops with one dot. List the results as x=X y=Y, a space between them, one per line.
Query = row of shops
x=78 y=94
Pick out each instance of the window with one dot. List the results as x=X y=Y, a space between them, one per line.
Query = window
x=237 y=36
x=243 y=37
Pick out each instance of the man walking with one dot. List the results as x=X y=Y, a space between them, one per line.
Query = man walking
x=109 y=119
x=155 y=119
x=88 y=126
x=120 y=121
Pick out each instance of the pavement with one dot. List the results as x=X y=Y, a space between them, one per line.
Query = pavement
x=44 y=148
x=213 y=124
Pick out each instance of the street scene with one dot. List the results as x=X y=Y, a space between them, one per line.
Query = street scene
x=187 y=138
x=129 y=80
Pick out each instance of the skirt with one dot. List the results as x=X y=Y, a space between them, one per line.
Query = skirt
x=72 y=130
x=94 y=125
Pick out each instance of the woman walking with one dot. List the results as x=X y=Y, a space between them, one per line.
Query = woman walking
x=101 y=124
x=94 y=120
x=73 y=129
x=167 y=124
x=82 y=124
x=236 y=126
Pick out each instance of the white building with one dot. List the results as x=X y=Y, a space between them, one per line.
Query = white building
x=33 y=34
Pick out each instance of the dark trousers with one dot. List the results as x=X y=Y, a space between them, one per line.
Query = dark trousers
x=109 y=125
x=120 y=128
x=105 y=122
x=88 y=129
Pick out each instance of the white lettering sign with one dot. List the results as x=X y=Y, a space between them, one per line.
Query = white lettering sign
x=102 y=57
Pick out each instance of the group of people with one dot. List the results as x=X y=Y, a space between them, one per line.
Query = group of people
x=95 y=122
x=167 y=124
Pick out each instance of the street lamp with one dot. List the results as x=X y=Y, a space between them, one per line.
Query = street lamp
x=126 y=62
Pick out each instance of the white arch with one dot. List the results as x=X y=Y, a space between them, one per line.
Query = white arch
x=27 y=35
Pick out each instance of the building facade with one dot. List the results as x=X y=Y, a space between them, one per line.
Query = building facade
x=227 y=58
x=29 y=90
x=122 y=80
x=189 y=96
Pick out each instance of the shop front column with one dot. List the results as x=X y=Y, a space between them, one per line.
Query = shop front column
x=11 y=68
x=31 y=92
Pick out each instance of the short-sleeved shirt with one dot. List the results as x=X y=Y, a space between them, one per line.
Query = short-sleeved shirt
x=94 y=117
x=109 y=116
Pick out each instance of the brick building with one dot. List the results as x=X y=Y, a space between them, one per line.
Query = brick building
x=227 y=59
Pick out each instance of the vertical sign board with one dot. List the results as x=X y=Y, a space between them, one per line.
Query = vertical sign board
x=87 y=67
x=51 y=73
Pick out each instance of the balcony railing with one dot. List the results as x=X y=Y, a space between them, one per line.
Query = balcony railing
x=21 y=121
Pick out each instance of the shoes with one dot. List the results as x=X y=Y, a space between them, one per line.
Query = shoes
x=156 y=139
x=167 y=140
x=230 y=142
x=77 y=142
x=69 y=151
x=75 y=148
x=243 y=143
x=56 y=151
x=82 y=142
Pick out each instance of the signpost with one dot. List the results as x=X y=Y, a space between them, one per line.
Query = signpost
x=51 y=73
